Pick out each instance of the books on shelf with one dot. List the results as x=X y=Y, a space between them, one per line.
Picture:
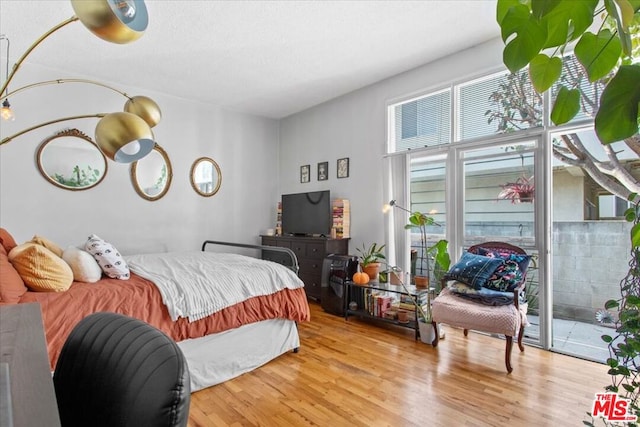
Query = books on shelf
x=341 y=212
x=279 y=219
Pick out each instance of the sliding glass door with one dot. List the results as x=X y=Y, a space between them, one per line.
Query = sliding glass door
x=498 y=199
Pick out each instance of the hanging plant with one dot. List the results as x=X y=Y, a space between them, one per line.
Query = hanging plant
x=520 y=191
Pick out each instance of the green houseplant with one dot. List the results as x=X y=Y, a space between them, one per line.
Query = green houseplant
x=439 y=251
x=536 y=34
x=370 y=259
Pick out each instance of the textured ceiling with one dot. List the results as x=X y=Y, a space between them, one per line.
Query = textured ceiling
x=271 y=58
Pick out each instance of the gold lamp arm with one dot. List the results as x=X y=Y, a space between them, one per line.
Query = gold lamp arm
x=64 y=119
x=30 y=49
x=60 y=81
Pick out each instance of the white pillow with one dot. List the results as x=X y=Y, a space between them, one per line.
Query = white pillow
x=84 y=266
x=108 y=257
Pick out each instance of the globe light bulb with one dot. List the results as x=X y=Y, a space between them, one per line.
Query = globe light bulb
x=131 y=148
x=126 y=9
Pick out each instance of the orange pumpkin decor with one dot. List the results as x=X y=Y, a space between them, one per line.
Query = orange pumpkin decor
x=360 y=278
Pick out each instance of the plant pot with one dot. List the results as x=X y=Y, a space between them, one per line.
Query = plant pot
x=421 y=281
x=372 y=270
x=395 y=277
x=427 y=333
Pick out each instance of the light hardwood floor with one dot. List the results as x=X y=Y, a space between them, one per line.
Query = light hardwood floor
x=358 y=374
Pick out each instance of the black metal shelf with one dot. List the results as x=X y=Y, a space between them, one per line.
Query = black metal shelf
x=351 y=288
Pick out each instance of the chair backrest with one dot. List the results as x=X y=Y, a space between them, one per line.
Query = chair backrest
x=114 y=370
x=497 y=246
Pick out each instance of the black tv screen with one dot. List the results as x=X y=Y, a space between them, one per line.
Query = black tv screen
x=306 y=213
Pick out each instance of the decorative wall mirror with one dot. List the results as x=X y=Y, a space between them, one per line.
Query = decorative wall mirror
x=71 y=160
x=206 y=176
x=151 y=176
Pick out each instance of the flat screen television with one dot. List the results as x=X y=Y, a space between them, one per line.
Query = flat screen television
x=305 y=214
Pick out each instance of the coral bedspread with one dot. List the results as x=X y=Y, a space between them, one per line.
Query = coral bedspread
x=140 y=298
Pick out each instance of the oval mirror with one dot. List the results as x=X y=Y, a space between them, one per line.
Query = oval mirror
x=71 y=160
x=151 y=176
x=206 y=176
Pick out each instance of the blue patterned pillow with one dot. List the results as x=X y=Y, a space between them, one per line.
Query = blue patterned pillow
x=522 y=259
x=474 y=270
x=506 y=278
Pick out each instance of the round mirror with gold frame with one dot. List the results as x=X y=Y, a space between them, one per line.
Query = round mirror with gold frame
x=206 y=176
x=151 y=176
x=71 y=160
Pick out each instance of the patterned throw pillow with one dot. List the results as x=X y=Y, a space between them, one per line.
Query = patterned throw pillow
x=506 y=278
x=108 y=257
x=522 y=259
x=509 y=276
x=474 y=270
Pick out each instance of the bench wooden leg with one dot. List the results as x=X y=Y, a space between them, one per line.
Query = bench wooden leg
x=507 y=353
x=520 y=335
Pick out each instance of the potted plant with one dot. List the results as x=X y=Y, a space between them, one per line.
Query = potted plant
x=520 y=191
x=427 y=330
x=369 y=259
x=421 y=221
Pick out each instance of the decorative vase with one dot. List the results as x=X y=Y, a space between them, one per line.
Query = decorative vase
x=427 y=333
x=372 y=270
x=421 y=281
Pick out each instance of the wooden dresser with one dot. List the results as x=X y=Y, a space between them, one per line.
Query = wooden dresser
x=311 y=251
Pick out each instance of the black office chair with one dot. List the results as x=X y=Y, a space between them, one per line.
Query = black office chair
x=114 y=370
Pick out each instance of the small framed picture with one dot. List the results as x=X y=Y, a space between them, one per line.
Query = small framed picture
x=323 y=171
x=305 y=173
x=342 y=168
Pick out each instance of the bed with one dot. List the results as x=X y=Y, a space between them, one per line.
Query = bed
x=219 y=342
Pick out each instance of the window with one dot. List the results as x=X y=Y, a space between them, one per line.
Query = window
x=500 y=103
x=423 y=122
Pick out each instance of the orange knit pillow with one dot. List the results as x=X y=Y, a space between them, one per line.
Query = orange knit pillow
x=41 y=269
x=11 y=284
x=7 y=240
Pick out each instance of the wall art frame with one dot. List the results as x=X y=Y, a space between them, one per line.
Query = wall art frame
x=323 y=171
x=305 y=173
x=342 y=168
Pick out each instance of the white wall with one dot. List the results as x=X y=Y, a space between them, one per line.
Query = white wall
x=354 y=126
x=245 y=147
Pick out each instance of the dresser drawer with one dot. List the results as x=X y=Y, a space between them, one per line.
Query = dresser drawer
x=315 y=250
x=310 y=267
x=299 y=248
x=311 y=285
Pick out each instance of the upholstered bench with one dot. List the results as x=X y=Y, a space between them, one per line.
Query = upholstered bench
x=508 y=317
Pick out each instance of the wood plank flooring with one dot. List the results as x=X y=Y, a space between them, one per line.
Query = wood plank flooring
x=354 y=373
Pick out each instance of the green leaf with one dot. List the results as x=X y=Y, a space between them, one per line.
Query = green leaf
x=598 y=54
x=526 y=37
x=503 y=7
x=635 y=236
x=622 y=13
x=544 y=71
x=568 y=20
x=611 y=304
x=566 y=106
x=633 y=300
x=543 y=7
x=617 y=117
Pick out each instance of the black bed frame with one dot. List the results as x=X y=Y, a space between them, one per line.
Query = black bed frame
x=290 y=260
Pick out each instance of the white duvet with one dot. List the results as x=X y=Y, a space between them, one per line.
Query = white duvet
x=197 y=284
